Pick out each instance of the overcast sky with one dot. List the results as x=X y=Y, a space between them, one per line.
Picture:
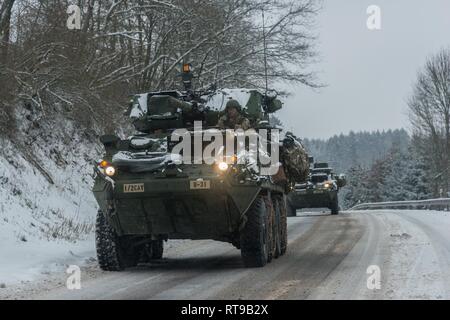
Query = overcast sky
x=369 y=74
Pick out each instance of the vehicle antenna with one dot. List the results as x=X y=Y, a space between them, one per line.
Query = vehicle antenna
x=265 y=60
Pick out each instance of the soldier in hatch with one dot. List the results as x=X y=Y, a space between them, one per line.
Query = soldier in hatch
x=233 y=118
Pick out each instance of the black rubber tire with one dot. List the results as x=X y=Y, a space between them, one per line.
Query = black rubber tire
x=254 y=245
x=283 y=226
x=335 y=207
x=107 y=245
x=270 y=220
x=157 y=249
x=110 y=254
x=277 y=229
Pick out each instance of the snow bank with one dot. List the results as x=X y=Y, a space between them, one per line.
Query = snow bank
x=22 y=262
x=47 y=209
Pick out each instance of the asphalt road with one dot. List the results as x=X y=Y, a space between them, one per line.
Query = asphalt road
x=328 y=258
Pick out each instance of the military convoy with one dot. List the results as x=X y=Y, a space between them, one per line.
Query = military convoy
x=149 y=190
x=320 y=191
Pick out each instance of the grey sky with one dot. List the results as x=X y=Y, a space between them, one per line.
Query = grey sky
x=369 y=73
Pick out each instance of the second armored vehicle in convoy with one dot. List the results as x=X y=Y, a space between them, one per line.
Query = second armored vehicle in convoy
x=320 y=191
x=150 y=190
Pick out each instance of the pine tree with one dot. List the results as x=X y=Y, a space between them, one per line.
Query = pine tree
x=356 y=190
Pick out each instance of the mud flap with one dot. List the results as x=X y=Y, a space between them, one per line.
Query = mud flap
x=243 y=197
x=103 y=193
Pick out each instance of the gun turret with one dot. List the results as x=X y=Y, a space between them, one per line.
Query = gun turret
x=165 y=110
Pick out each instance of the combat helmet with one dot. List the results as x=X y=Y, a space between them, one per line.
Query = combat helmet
x=232 y=103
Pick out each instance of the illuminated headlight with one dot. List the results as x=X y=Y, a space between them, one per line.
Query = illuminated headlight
x=223 y=166
x=327 y=185
x=110 y=171
x=107 y=168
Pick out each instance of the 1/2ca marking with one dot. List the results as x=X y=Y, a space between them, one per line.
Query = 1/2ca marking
x=133 y=187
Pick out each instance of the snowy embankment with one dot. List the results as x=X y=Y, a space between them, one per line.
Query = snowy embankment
x=47 y=210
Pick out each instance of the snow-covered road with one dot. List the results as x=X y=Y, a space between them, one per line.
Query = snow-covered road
x=328 y=258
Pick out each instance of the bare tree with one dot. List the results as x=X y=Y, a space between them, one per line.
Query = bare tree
x=429 y=108
x=144 y=42
x=129 y=46
x=5 y=21
x=6 y=7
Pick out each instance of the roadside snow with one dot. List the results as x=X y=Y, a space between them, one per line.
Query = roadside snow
x=412 y=250
x=47 y=210
x=43 y=226
x=30 y=261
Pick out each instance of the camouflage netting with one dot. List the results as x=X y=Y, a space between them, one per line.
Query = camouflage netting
x=294 y=158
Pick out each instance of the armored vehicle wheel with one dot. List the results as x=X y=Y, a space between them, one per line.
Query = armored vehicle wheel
x=270 y=226
x=283 y=226
x=110 y=252
x=254 y=237
x=335 y=207
x=277 y=229
x=157 y=249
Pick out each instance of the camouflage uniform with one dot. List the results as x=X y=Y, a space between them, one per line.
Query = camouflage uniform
x=239 y=122
x=295 y=159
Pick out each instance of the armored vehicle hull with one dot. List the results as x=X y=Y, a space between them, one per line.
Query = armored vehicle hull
x=179 y=207
x=147 y=195
x=147 y=199
x=313 y=198
x=321 y=191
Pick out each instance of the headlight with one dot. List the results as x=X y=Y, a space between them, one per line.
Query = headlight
x=223 y=166
x=328 y=184
x=110 y=171
x=107 y=168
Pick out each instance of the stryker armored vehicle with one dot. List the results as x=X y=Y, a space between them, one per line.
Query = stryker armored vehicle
x=150 y=190
x=320 y=191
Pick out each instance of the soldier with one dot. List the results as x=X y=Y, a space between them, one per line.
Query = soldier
x=233 y=118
